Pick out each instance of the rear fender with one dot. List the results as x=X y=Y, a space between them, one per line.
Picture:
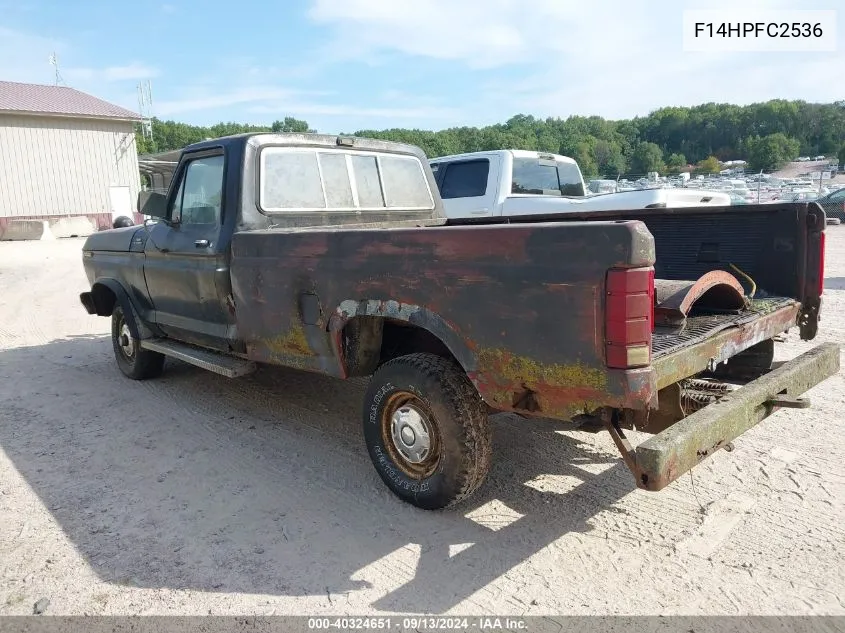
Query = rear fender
x=410 y=313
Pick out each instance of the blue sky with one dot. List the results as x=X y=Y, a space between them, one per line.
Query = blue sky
x=345 y=65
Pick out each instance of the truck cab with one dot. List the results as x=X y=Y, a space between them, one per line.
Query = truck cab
x=495 y=183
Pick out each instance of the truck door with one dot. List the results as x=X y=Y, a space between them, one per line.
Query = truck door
x=186 y=267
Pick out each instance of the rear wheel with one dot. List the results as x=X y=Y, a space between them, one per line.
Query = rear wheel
x=427 y=431
x=134 y=362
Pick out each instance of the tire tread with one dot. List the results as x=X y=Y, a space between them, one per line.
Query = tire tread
x=470 y=412
x=147 y=364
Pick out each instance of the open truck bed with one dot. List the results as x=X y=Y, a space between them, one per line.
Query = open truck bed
x=712 y=369
x=776 y=251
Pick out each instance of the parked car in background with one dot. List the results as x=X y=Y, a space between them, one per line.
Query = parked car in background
x=799 y=196
x=834 y=204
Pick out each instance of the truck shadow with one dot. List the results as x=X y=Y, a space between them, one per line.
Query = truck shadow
x=834 y=283
x=262 y=485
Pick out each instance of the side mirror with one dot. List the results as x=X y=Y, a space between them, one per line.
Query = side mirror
x=153 y=204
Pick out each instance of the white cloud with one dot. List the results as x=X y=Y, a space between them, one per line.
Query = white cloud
x=340 y=110
x=277 y=101
x=25 y=57
x=616 y=59
x=130 y=72
x=209 y=100
x=478 y=33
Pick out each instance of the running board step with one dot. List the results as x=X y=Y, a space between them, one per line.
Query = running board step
x=228 y=366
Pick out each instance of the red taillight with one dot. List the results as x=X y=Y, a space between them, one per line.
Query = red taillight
x=629 y=317
x=652 y=299
x=821 y=263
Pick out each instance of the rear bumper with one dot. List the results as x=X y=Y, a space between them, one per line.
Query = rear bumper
x=671 y=453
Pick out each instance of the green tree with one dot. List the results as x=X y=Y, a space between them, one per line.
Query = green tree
x=841 y=155
x=584 y=155
x=709 y=165
x=647 y=157
x=291 y=125
x=676 y=163
x=609 y=158
x=718 y=130
x=771 y=152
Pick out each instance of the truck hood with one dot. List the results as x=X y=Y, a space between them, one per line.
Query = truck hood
x=117 y=240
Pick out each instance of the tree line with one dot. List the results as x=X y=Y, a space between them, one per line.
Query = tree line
x=668 y=140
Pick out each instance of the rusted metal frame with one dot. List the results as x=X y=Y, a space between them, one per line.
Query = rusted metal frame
x=789 y=403
x=722 y=346
x=671 y=453
x=809 y=269
x=611 y=423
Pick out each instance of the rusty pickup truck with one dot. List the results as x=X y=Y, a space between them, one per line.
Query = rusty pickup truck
x=332 y=254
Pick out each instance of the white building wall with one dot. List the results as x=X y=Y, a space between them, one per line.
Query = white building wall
x=64 y=166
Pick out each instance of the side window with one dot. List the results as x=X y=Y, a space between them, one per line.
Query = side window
x=838 y=195
x=435 y=169
x=465 y=179
x=175 y=209
x=200 y=195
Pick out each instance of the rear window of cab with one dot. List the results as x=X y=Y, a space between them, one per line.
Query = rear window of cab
x=318 y=179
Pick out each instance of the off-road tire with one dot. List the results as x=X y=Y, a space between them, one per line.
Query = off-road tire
x=461 y=438
x=139 y=364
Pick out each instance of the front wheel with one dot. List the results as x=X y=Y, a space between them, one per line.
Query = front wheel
x=427 y=431
x=135 y=362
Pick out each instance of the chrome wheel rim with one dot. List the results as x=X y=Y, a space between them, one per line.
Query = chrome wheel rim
x=125 y=341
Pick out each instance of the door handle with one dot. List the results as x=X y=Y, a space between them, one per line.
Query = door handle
x=201 y=243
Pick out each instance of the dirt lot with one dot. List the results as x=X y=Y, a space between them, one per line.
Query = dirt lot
x=197 y=494
x=795 y=169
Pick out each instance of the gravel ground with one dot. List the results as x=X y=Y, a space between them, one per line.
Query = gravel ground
x=195 y=494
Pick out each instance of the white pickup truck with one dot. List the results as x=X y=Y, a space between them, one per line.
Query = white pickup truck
x=519 y=182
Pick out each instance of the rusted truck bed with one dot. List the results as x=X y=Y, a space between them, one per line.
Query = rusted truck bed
x=775 y=256
x=667 y=340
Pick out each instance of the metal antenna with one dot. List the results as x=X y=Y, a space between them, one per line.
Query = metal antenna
x=145 y=107
x=54 y=61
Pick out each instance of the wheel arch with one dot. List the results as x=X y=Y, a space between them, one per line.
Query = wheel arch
x=366 y=334
x=106 y=293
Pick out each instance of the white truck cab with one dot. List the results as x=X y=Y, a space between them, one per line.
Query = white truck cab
x=512 y=182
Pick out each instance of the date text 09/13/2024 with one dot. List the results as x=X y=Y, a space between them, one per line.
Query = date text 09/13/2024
x=417 y=623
